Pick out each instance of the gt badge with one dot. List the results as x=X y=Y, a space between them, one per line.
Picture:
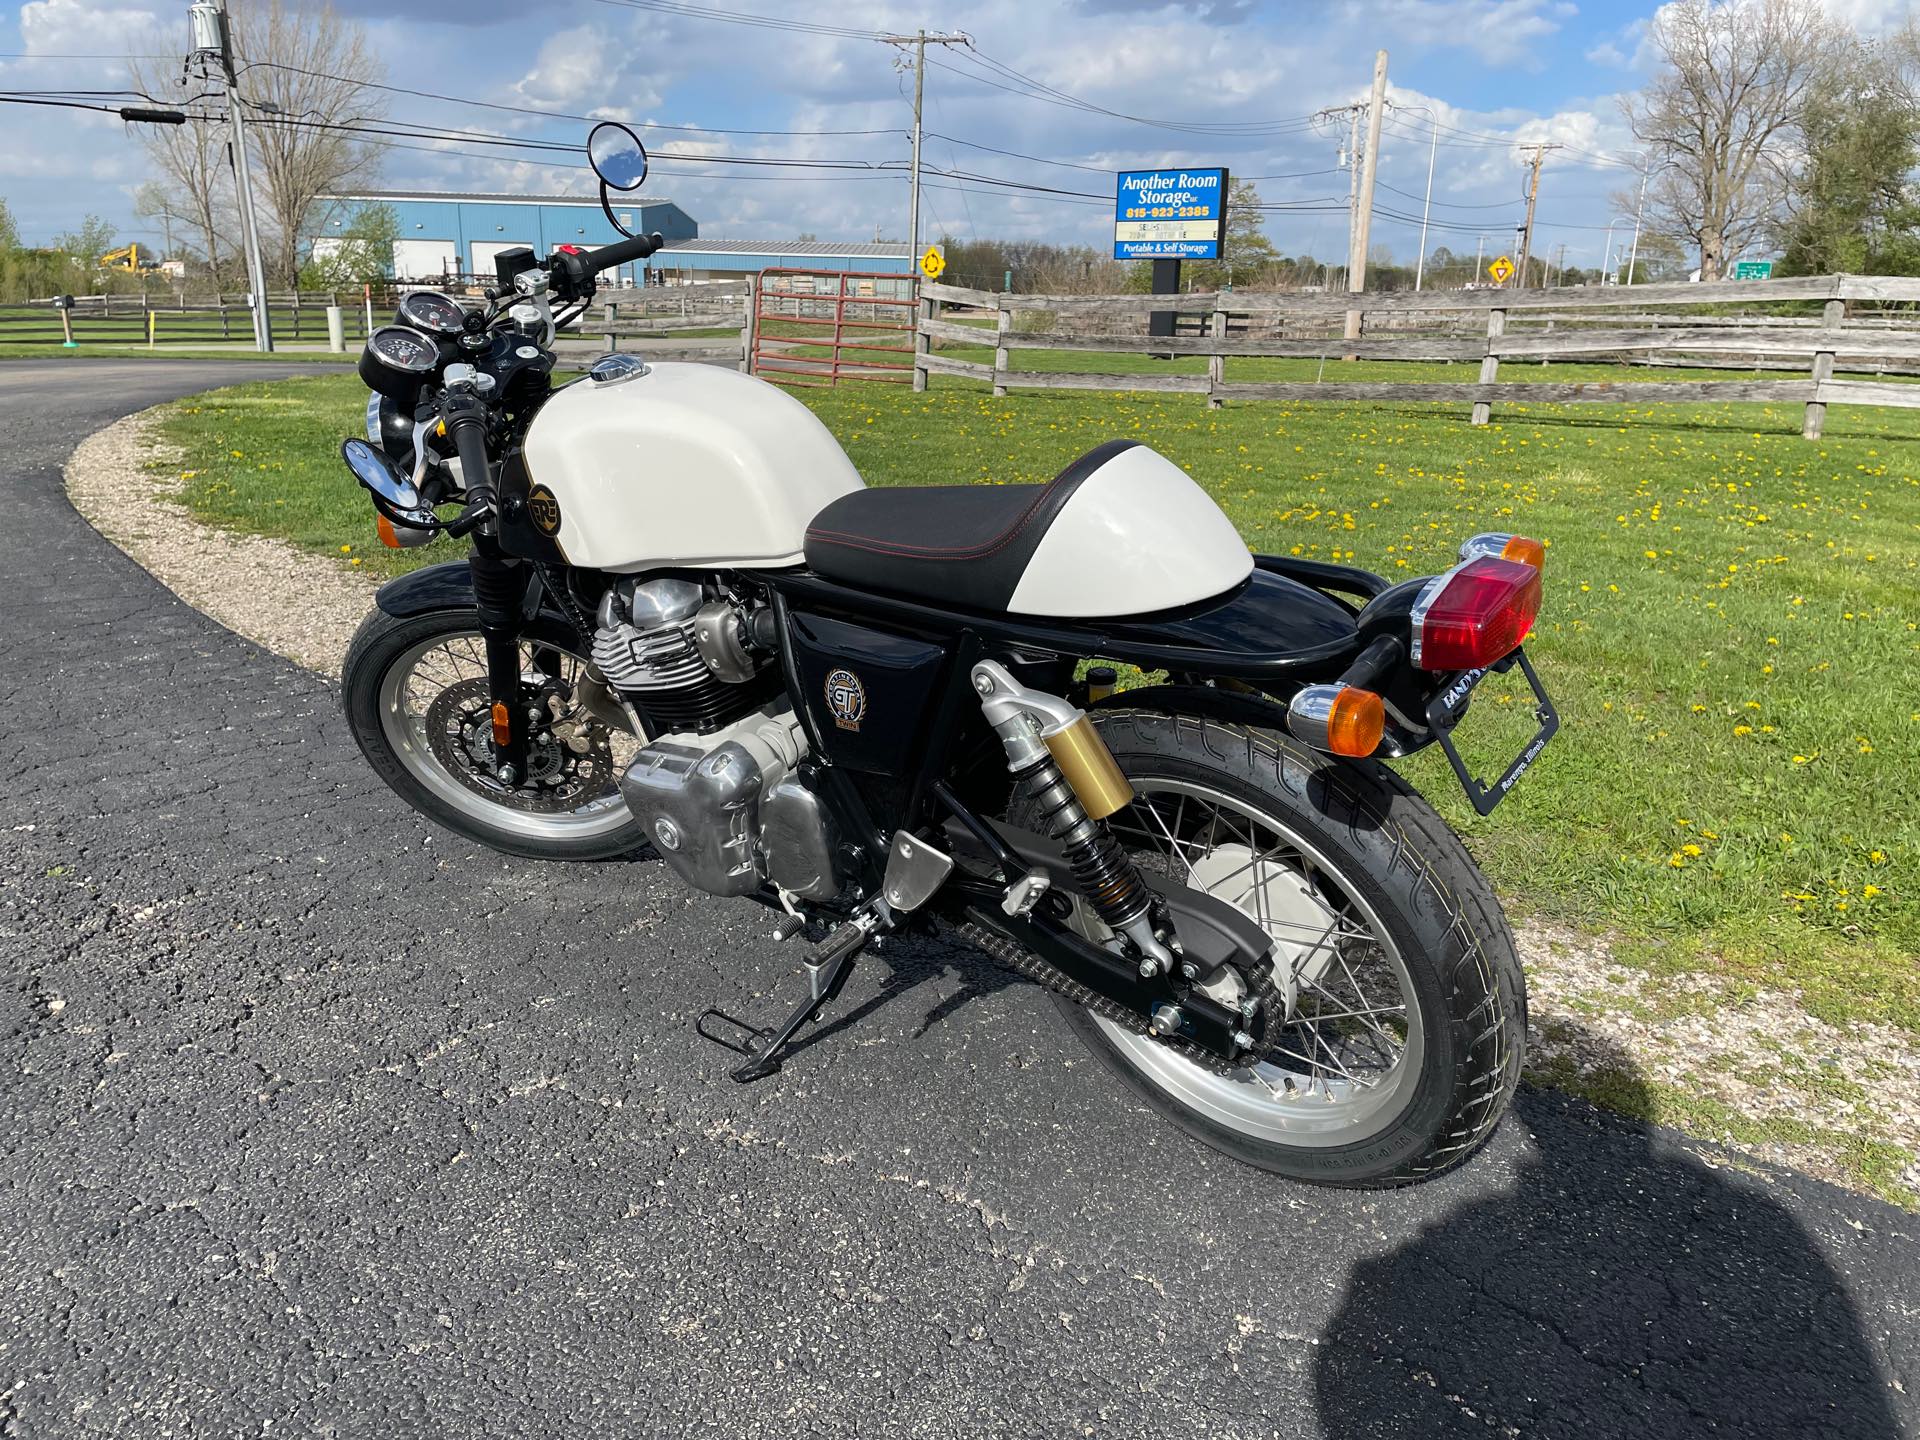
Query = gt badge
x=543 y=510
x=846 y=698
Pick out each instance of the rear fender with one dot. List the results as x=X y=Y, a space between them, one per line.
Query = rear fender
x=1231 y=706
x=1204 y=702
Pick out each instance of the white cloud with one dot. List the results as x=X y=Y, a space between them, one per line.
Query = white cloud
x=583 y=62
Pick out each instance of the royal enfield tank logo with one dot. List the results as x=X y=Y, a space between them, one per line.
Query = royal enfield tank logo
x=846 y=698
x=543 y=510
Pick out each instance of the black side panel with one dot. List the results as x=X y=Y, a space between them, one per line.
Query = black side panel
x=869 y=691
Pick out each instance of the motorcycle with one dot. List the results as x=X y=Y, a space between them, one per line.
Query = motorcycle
x=685 y=625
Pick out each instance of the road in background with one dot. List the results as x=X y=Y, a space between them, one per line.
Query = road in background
x=315 y=1115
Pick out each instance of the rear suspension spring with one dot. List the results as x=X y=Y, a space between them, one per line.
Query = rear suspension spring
x=1102 y=871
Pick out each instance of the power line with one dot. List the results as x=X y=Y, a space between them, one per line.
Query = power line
x=1035 y=90
x=1445 y=204
x=741 y=17
x=546 y=114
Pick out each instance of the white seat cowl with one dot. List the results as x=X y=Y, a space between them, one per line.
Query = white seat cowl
x=1137 y=536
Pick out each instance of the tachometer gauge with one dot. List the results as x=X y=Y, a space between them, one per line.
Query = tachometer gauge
x=398 y=360
x=433 y=313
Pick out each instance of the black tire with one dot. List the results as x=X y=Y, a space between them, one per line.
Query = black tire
x=382 y=641
x=1437 y=907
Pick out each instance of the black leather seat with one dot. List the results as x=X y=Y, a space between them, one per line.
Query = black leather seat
x=965 y=545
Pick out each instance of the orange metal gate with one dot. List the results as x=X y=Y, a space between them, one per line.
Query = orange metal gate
x=819 y=327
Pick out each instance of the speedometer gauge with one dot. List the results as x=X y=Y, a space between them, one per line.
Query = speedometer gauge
x=436 y=314
x=398 y=360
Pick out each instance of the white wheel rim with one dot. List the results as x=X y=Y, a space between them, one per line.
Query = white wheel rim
x=1310 y=1092
x=405 y=693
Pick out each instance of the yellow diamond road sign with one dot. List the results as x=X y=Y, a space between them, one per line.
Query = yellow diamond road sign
x=1501 y=270
x=933 y=262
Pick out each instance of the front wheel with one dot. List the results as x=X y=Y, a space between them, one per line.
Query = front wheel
x=1406 y=1008
x=419 y=704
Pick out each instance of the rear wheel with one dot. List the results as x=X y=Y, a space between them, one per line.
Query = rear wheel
x=418 y=701
x=1406 y=1010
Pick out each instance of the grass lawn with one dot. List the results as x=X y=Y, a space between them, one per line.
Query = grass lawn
x=238 y=350
x=1729 y=632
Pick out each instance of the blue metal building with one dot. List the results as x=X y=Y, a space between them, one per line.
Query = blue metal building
x=697 y=260
x=444 y=234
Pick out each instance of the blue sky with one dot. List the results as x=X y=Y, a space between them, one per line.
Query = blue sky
x=1242 y=78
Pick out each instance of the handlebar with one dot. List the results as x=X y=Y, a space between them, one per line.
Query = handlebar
x=573 y=272
x=622 y=252
x=467 y=428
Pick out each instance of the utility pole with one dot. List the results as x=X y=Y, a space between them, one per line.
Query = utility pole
x=1363 y=209
x=1426 y=208
x=1533 y=197
x=919 y=41
x=1479 y=253
x=213 y=43
x=1639 y=210
x=1353 y=183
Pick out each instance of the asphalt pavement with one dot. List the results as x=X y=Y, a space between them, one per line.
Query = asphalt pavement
x=317 y=1121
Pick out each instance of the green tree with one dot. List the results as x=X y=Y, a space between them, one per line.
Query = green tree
x=363 y=251
x=9 y=232
x=93 y=239
x=1659 y=258
x=1852 y=204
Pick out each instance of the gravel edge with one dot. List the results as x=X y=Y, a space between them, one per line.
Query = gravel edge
x=1590 y=1016
x=299 y=605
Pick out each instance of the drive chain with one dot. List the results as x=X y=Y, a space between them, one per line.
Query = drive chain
x=1019 y=959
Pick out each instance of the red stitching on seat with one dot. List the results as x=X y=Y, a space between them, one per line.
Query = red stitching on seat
x=941 y=552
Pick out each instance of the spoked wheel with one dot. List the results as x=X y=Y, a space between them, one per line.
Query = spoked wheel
x=1405 y=1010
x=418 y=699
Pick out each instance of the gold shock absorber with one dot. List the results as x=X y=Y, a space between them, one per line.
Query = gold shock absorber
x=1089 y=767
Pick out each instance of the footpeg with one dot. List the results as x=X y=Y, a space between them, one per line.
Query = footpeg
x=826 y=966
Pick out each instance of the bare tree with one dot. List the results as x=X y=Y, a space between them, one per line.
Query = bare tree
x=304 y=74
x=192 y=180
x=1721 y=115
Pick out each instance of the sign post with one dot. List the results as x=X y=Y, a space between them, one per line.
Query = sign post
x=1167 y=216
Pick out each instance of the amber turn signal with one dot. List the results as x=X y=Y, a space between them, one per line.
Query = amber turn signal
x=389 y=537
x=1339 y=719
x=1521 y=549
x=1526 y=551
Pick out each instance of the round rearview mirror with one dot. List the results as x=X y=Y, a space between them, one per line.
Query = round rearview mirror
x=379 y=474
x=617 y=155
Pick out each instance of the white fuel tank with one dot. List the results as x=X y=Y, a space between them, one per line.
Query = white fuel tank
x=684 y=465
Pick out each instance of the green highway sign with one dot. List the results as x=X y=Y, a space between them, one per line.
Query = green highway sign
x=1753 y=270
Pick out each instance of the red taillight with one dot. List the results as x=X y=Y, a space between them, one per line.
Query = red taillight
x=1475 y=614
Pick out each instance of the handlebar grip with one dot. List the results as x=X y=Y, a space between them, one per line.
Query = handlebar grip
x=469 y=435
x=622 y=252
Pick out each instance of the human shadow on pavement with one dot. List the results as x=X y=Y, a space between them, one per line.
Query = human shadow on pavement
x=1619 y=1287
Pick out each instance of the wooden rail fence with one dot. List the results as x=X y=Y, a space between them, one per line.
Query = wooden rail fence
x=1859 y=327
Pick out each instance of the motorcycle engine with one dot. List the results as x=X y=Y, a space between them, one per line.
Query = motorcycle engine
x=679 y=652
x=717 y=786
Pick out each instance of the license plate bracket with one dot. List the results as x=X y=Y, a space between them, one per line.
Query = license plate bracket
x=1444 y=712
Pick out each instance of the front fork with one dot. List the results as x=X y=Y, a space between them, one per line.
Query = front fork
x=500 y=596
